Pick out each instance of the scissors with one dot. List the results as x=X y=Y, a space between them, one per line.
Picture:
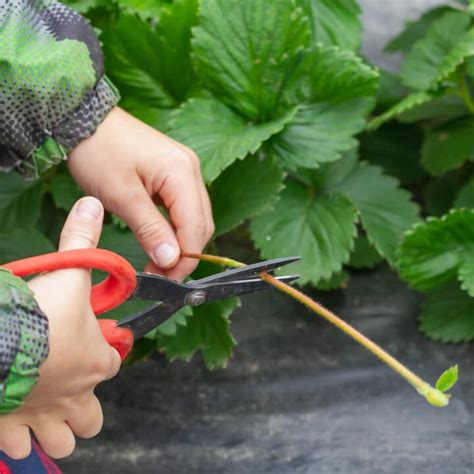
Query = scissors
x=125 y=283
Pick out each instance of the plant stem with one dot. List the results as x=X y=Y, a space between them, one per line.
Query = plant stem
x=433 y=395
x=464 y=91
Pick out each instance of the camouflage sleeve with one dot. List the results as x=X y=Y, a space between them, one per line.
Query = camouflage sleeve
x=53 y=91
x=23 y=341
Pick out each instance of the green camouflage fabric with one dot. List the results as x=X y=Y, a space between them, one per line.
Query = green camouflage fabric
x=52 y=83
x=23 y=341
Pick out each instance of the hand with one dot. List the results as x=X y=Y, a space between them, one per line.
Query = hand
x=131 y=167
x=63 y=404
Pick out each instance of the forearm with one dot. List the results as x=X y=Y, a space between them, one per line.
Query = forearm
x=53 y=93
x=23 y=341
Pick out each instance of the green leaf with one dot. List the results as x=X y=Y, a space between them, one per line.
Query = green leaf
x=386 y=211
x=440 y=192
x=334 y=22
x=245 y=189
x=65 y=191
x=390 y=89
x=336 y=92
x=433 y=251
x=144 y=8
x=447 y=379
x=448 y=314
x=440 y=109
x=20 y=201
x=465 y=197
x=246 y=50
x=83 y=6
x=173 y=54
x=364 y=254
x=124 y=243
x=22 y=243
x=466 y=275
x=447 y=147
x=320 y=133
x=132 y=51
x=218 y=135
x=396 y=149
x=206 y=330
x=435 y=56
x=319 y=228
x=415 y=30
x=410 y=102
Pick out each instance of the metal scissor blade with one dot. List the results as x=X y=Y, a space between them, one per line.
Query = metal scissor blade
x=251 y=270
x=221 y=290
x=148 y=319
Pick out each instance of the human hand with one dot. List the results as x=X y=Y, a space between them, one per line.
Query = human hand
x=131 y=168
x=62 y=405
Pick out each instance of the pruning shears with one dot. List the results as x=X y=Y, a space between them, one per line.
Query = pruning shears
x=125 y=283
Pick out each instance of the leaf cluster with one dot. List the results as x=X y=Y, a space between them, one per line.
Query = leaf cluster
x=434 y=110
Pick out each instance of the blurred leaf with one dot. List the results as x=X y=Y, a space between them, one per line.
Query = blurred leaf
x=206 y=330
x=438 y=54
x=448 y=314
x=364 y=254
x=22 y=243
x=432 y=252
x=439 y=110
x=439 y=193
x=386 y=211
x=218 y=135
x=447 y=147
x=447 y=379
x=144 y=8
x=319 y=228
x=246 y=50
x=335 y=90
x=20 y=201
x=141 y=349
x=65 y=191
x=466 y=275
x=415 y=30
x=125 y=244
x=410 y=102
x=396 y=149
x=465 y=197
x=334 y=22
x=131 y=49
x=245 y=189
x=390 y=89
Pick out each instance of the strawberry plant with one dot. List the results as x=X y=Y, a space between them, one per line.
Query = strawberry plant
x=275 y=100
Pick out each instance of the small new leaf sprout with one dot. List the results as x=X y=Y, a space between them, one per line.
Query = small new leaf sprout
x=435 y=396
x=447 y=379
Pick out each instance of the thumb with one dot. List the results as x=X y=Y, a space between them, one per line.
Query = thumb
x=83 y=225
x=150 y=227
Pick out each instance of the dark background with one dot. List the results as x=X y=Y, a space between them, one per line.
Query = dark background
x=298 y=396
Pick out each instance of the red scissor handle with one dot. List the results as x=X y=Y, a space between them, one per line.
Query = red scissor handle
x=108 y=294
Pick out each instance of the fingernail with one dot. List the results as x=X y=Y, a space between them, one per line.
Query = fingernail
x=89 y=207
x=164 y=254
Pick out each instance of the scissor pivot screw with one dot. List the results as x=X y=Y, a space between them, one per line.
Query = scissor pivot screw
x=195 y=298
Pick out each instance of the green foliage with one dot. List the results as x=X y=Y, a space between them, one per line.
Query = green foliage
x=447 y=379
x=449 y=146
x=436 y=55
x=447 y=314
x=437 y=255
